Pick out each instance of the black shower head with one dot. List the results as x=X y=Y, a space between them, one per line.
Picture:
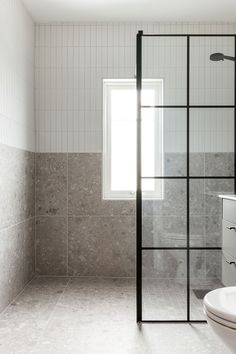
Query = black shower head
x=217 y=56
x=220 y=56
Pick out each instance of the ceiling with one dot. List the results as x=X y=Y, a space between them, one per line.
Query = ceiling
x=132 y=10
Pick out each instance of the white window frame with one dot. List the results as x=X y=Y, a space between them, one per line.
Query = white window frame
x=108 y=85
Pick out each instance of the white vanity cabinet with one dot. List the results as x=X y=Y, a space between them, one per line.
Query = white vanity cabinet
x=229 y=240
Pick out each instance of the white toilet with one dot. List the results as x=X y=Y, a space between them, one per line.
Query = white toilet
x=220 y=309
x=220 y=304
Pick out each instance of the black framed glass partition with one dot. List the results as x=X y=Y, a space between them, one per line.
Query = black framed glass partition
x=185 y=159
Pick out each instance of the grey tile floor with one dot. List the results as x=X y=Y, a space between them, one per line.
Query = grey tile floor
x=166 y=299
x=92 y=315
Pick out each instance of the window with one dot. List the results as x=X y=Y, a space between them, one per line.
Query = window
x=119 y=138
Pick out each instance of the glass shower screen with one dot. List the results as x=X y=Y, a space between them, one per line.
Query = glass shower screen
x=191 y=147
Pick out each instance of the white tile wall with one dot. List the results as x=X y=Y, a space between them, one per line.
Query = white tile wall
x=16 y=76
x=72 y=59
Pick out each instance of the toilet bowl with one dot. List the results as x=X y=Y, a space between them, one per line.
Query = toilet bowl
x=220 y=310
x=172 y=239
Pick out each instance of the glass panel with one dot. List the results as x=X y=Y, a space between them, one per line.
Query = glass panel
x=164 y=285
x=211 y=142
x=206 y=211
x=164 y=220
x=205 y=275
x=211 y=82
x=166 y=145
x=165 y=58
x=152 y=142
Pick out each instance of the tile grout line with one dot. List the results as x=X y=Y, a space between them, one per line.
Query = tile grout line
x=86 y=276
x=50 y=316
x=14 y=299
x=204 y=218
x=67 y=189
x=97 y=216
x=35 y=144
x=67 y=219
x=35 y=223
x=18 y=223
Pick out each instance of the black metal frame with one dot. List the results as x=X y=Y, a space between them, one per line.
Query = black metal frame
x=139 y=247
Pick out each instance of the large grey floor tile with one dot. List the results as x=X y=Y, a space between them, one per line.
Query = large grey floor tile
x=124 y=337
x=24 y=321
x=38 y=299
x=93 y=316
x=111 y=294
x=98 y=316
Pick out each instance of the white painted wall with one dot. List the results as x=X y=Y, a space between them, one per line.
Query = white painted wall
x=16 y=76
x=72 y=59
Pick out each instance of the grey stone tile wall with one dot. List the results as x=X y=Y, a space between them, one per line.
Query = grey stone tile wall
x=16 y=259
x=17 y=221
x=17 y=186
x=51 y=245
x=51 y=184
x=164 y=221
x=79 y=233
x=85 y=189
x=101 y=246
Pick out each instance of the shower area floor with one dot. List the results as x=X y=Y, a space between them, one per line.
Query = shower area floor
x=97 y=315
x=166 y=299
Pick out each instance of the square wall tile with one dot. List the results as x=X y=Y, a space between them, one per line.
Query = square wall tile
x=85 y=189
x=51 y=245
x=51 y=184
x=17 y=178
x=102 y=246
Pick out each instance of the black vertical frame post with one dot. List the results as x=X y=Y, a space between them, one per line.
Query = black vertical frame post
x=235 y=115
x=188 y=182
x=139 y=181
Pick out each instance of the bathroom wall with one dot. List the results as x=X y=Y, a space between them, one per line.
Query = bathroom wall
x=77 y=232
x=17 y=137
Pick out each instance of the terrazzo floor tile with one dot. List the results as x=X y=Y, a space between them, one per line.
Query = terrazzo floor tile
x=22 y=323
x=166 y=299
x=93 y=316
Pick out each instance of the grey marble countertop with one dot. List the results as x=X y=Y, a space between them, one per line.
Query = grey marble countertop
x=228 y=196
